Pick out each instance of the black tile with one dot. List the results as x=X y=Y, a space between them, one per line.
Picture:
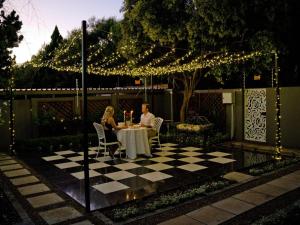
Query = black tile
x=116 y=161
x=205 y=156
x=175 y=163
x=109 y=169
x=145 y=162
x=176 y=172
x=140 y=170
x=71 y=155
x=73 y=169
x=177 y=151
x=135 y=182
x=65 y=160
x=99 y=180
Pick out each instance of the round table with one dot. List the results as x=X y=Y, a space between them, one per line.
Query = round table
x=135 y=140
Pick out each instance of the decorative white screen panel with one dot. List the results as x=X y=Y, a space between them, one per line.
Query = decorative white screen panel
x=255 y=115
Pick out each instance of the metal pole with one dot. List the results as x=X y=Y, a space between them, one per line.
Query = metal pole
x=278 y=145
x=145 y=86
x=77 y=93
x=84 y=118
x=11 y=118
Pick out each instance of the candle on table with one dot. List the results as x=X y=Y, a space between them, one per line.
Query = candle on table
x=124 y=116
x=131 y=112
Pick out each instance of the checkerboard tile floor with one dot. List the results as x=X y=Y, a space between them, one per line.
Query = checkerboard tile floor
x=170 y=165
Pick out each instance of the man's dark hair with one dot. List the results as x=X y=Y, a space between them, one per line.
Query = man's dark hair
x=147 y=105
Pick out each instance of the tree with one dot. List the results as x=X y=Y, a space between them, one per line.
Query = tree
x=10 y=26
x=209 y=27
x=56 y=40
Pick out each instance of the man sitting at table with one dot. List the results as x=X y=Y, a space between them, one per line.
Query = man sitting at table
x=147 y=120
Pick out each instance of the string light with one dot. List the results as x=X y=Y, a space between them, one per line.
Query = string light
x=278 y=144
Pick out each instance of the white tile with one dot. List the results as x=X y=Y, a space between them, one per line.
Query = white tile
x=110 y=187
x=191 y=148
x=24 y=180
x=80 y=175
x=191 y=159
x=166 y=148
x=33 y=189
x=76 y=158
x=155 y=176
x=11 y=167
x=159 y=166
x=164 y=153
x=96 y=148
x=58 y=215
x=134 y=160
x=222 y=160
x=5 y=157
x=169 y=144
x=91 y=152
x=67 y=152
x=7 y=162
x=104 y=159
x=218 y=154
x=191 y=154
x=44 y=200
x=120 y=175
x=127 y=166
x=52 y=158
x=67 y=165
x=192 y=167
x=85 y=222
x=162 y=159
x=98 y=165
x=17 y=173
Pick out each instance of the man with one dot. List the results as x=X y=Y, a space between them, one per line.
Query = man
x=147 y=120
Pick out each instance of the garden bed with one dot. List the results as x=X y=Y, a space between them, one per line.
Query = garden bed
x=289 y=215
x=165 y=200
x=8 y=214
x=272 y=166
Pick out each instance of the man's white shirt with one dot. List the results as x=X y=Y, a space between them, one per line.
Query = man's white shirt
x=147 y=119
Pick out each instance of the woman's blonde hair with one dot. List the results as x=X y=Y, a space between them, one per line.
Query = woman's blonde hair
x=109 y=112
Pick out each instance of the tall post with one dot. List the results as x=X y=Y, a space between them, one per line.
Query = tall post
x=11 y=117
x=278 y=145
x=84 y=117
x=152 y=97
x=243 y=104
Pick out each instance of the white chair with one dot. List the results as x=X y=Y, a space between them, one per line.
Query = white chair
x=157 y=124
x=102 y=140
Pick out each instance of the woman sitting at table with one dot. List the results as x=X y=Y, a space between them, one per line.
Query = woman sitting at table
x=109 y=124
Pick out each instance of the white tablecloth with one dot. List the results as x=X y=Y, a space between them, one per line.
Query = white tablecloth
x=135 y=140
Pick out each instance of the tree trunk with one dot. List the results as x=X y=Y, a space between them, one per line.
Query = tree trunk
x=187 y=94
x=190 y=82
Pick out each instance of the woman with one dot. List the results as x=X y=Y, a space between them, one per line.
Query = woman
x=109 y=124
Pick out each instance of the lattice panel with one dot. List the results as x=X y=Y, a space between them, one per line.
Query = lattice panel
x=96 y=108
x=59 y=109
x=129 y=104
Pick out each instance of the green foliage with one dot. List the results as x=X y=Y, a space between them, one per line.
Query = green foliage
x=273 y=166
x=10 y=25
x=287 y=216
x=3 y=112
